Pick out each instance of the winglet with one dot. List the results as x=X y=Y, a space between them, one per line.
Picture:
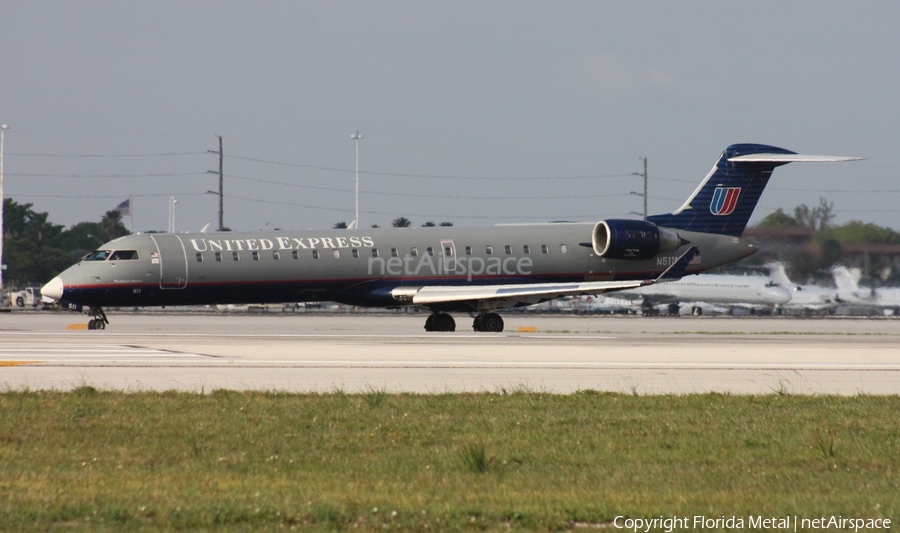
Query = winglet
x=676 y=270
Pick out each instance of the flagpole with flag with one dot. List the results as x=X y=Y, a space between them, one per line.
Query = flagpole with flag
x=124 y=209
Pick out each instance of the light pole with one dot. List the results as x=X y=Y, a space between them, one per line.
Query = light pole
x=3 y=128
x=356 y=137
x=172 y=202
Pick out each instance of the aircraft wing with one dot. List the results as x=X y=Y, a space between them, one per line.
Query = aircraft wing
x=500 y=296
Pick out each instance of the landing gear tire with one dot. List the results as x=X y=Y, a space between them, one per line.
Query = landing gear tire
x=697 y=310
x=440 y=322
x=99 y=320
x=489 y=322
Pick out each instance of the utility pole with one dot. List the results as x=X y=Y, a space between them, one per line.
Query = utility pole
x=644 y=175
x=221 y=183
x=3 y=128
x=356 y=137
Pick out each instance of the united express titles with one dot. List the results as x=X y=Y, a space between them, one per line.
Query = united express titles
x=281 y=243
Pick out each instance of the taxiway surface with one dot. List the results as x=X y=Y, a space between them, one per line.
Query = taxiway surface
x=326 y=353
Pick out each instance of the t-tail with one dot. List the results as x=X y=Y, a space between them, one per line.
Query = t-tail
x=725 y=200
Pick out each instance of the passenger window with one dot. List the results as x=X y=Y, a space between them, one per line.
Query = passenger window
x=218 y=256
x=295 y=254
x=394 y=253
x=489 y=250
x=374 y=252
x=526 y=249
x=315 y=254
x=276 y=255
x=562 y=248
x=199 y=257
x=468 y=250
x=355 y=253
x=545 y=249
x=236 y=256
x=414 y=251
x=448 y=251
x=508 y=249
x=430 y=250
x=336 y=254
x=255 y=256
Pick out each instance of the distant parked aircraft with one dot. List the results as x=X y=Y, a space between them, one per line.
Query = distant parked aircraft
x=886 y=299
x=803 y=296
x=722 y=289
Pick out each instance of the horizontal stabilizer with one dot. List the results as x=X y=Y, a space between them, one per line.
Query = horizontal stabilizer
x=793 y=158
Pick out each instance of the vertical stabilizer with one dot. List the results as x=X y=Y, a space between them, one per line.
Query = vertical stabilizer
x=725 y=200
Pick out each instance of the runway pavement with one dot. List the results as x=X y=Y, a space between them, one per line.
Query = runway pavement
x=326 y=353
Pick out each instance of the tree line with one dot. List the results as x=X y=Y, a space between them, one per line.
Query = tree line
x=399 y=222
x=35 y=250
x=827 y=241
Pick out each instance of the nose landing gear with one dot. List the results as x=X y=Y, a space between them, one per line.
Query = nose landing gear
x=99 y=320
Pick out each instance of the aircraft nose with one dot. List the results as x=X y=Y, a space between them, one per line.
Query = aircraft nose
x=53 y=289
x=779 y=295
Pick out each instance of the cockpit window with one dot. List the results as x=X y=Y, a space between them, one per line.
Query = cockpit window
x=99 y=255
x=124 y=255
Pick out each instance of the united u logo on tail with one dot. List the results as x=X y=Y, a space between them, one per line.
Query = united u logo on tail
x=724 y=200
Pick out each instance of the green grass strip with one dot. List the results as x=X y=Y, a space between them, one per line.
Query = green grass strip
x=527 y=461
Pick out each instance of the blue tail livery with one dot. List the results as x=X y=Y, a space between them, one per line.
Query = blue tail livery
x=725 y=200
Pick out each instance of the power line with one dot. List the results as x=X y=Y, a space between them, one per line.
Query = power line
x=172 y=154
x=176 y=174
x=88 y=196
x=429 y=215
x=417 y=195
x=426 y=176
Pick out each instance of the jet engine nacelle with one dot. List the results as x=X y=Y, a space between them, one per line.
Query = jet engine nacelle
x=633 y=239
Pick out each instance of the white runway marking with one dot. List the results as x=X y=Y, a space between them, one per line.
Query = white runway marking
x=699 y=365
x=433 y=336
x=50 y=352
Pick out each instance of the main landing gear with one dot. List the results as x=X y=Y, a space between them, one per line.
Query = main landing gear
x=99 y=320
x=487 y=322
x=440 y=322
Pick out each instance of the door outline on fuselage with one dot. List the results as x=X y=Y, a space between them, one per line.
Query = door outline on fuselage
x=449 y=261
x=172 y=261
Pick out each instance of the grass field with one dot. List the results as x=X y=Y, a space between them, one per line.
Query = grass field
x=524 y=460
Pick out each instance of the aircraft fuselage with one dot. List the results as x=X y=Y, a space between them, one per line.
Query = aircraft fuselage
x=356 y=267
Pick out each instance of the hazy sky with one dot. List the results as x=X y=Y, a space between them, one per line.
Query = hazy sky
x=457 y=101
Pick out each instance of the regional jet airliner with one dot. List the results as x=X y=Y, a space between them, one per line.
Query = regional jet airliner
x=446 y=269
